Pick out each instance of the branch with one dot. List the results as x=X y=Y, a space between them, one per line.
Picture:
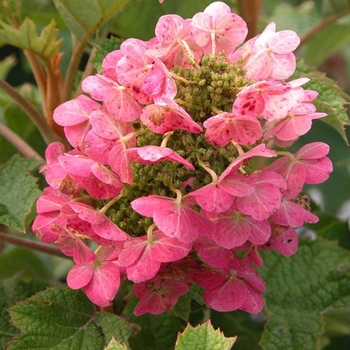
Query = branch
x=27 y=243
x=19 y=143
x=319 y=26
x=31 y=111
x=250 y=12
x=73 y=67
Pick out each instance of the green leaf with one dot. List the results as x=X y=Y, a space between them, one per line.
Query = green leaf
x=24 y=262
x=115 y=345
x=300 y=289
x=84 y=17
x=203 y=337
x=26 y=37
x=60 y=318
x=12 y=291
x=326 y=42
x=331 y=98
x=18 y=191
x=6 y=65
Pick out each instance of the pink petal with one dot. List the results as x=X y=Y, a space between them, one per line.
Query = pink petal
x=80 y=275
x=104 y=284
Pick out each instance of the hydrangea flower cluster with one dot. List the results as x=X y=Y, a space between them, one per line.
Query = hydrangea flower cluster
x=172 y=179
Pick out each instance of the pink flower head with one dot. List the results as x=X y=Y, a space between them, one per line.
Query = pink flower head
x=217 y=29
x=154 y=154
x=163 y=118
x=74 y=115
x=99 y=278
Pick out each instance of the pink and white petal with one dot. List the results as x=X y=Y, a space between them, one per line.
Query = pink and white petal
x=260 y=231
x=75 y=111
x=144 y=268
x=122 y=105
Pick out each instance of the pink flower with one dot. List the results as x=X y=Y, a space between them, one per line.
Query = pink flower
x=163 y=118
x=98 y=277
x=74 y=115
x=217 y=29
x=142 y=256
x=309 y=165
x=172 y=217
x=173 y=33
x=154 y=154
x=266 y=197
x=269 y=55
x=219 y=195
x=117 y=100
x=226 y=127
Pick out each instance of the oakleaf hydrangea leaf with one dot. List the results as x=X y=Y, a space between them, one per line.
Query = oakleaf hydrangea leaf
x=26 y=37
x=299 y=290
x=18 y=191
x=11 y=291
x=115 y=345
x=203 y=337
x=60 y=318
x=331 y=98
x=96 y=14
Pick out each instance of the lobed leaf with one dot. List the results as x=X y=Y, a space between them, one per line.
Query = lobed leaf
x=60 y=318
x=115 y=345
x=331 y=98
x=300 y=290
x=84 y=17
x=11 y=291
x=26 y=37
x=203 y=337
x=18 y=191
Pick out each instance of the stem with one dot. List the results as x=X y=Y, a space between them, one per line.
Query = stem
x=250 y=12
x=73 y=67
x=319 y=26
x=210 y=171
x=88 y=70
x=19 y=143
x=37 y=118
x=27 y=243
x=111 y=202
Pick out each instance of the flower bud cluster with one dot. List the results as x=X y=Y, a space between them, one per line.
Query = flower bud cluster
x=172 y=179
